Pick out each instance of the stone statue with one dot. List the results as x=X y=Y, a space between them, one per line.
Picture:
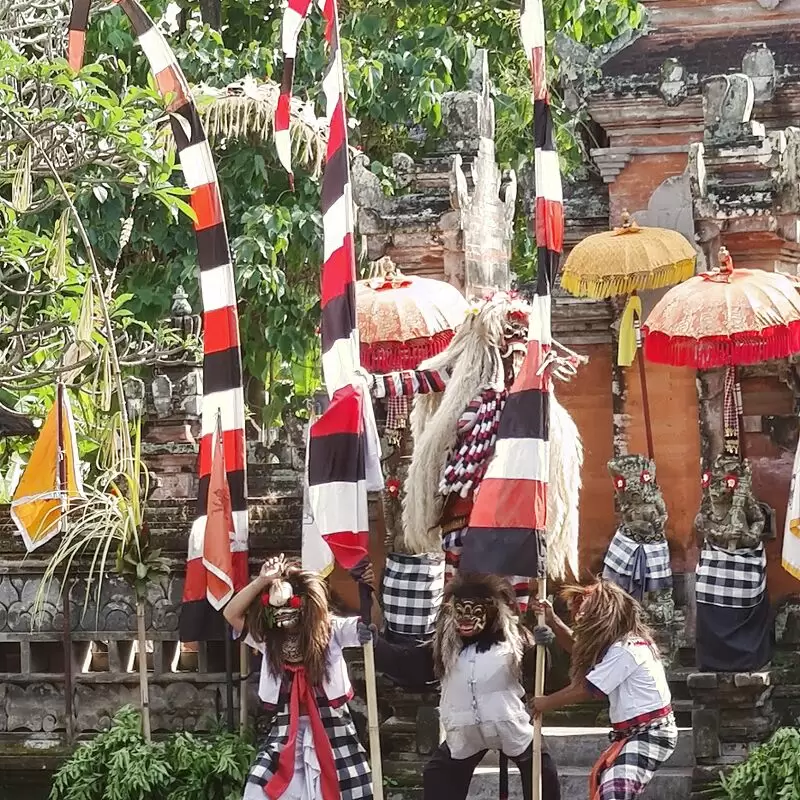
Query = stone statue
x=643 y=514
x=730 y=517
x=638 y=557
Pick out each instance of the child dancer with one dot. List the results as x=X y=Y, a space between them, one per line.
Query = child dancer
x=312 y=751
x=613 y=656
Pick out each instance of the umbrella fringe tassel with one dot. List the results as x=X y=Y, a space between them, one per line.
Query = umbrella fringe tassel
x=712 y=352
x=601 y=287
x=382 y=357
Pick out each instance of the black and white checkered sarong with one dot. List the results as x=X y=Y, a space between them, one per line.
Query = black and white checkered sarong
x=731 y=578
x=412 y=592
x=352 y=765
x=642 y=754
x=619 y=564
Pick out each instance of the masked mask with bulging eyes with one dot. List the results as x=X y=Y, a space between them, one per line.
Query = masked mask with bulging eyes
x=470 y=617
x=282 y=605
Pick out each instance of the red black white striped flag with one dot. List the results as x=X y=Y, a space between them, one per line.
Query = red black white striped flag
x=506 y=533
x=293 y=18
x=223 y=395
x=343 y=449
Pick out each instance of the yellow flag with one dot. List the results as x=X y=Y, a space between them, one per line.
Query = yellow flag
x=626 y=354
x=39 y=500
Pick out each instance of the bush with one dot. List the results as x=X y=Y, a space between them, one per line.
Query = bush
x=771 y=771
x=119 y=764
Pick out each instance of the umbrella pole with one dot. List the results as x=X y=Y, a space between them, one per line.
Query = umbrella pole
x=648 y=428
x=538 y=691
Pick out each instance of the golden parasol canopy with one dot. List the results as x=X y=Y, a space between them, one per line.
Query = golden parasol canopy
x=626 y=260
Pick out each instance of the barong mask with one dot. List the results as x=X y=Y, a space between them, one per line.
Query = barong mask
x=478 y=610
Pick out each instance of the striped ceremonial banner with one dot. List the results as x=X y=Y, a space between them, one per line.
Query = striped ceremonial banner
x=223 y=394
x=344 y=452
x=293 y=18
x=506 y=534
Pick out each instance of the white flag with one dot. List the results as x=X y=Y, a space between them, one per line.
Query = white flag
x=791 y=533
x=316 y=555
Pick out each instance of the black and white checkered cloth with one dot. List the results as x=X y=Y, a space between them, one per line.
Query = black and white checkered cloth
x=352 y=766
x=731 y=578
x=641 y=755
x=621 y=564
x=412 y=592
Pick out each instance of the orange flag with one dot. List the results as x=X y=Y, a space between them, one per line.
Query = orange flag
x=40 y=498
x=219 y=530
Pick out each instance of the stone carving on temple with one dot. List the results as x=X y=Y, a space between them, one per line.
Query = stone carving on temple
x=730 y=517
x=638 y=556
x=733 y=610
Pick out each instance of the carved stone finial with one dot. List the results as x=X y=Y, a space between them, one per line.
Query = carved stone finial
x=134 y=397
x=728 y=106
x=180 y=303
x=162 y=395
x=672 y=86
x=468 y=116
x=759 y=65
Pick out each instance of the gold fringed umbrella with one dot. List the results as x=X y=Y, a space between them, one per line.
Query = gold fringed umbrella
x=624 y=261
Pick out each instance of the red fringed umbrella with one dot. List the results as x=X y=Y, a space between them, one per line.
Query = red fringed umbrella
x=725 y=318
x=403 y=320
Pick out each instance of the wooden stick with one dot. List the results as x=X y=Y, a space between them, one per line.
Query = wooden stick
x=373 y=726
x=66 y=612
x=372 y=722
x=228 y=678
x=244 y=669
x=538 y=691
x=143 y=688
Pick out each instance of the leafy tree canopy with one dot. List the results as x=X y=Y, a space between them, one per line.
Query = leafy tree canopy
x=400 y=59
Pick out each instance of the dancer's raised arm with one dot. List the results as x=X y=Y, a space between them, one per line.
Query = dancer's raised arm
x=236 y=610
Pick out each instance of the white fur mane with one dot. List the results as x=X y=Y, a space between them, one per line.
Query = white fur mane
x=473 y=363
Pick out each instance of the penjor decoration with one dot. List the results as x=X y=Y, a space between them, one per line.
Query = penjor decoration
x=223 y=395
x=344 y=450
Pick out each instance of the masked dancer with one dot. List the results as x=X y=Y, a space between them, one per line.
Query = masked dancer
x=459 y=399
x=480 y=653
x=614 y=657
x=312 y=751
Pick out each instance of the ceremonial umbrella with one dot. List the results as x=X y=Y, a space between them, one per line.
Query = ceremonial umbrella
x=404 y=320
x=725 y=318
x=624 y=261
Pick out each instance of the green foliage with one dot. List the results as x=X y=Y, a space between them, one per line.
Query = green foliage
x=400 y=59
x=771 y=771
x=119 y=764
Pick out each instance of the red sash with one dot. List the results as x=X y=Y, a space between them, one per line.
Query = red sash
x=302 y=694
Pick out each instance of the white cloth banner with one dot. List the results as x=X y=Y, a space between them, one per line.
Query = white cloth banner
x=790 y=557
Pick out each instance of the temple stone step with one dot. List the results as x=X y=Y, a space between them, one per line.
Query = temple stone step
x=581 y=747
x=669 y=783
x=574 y=749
